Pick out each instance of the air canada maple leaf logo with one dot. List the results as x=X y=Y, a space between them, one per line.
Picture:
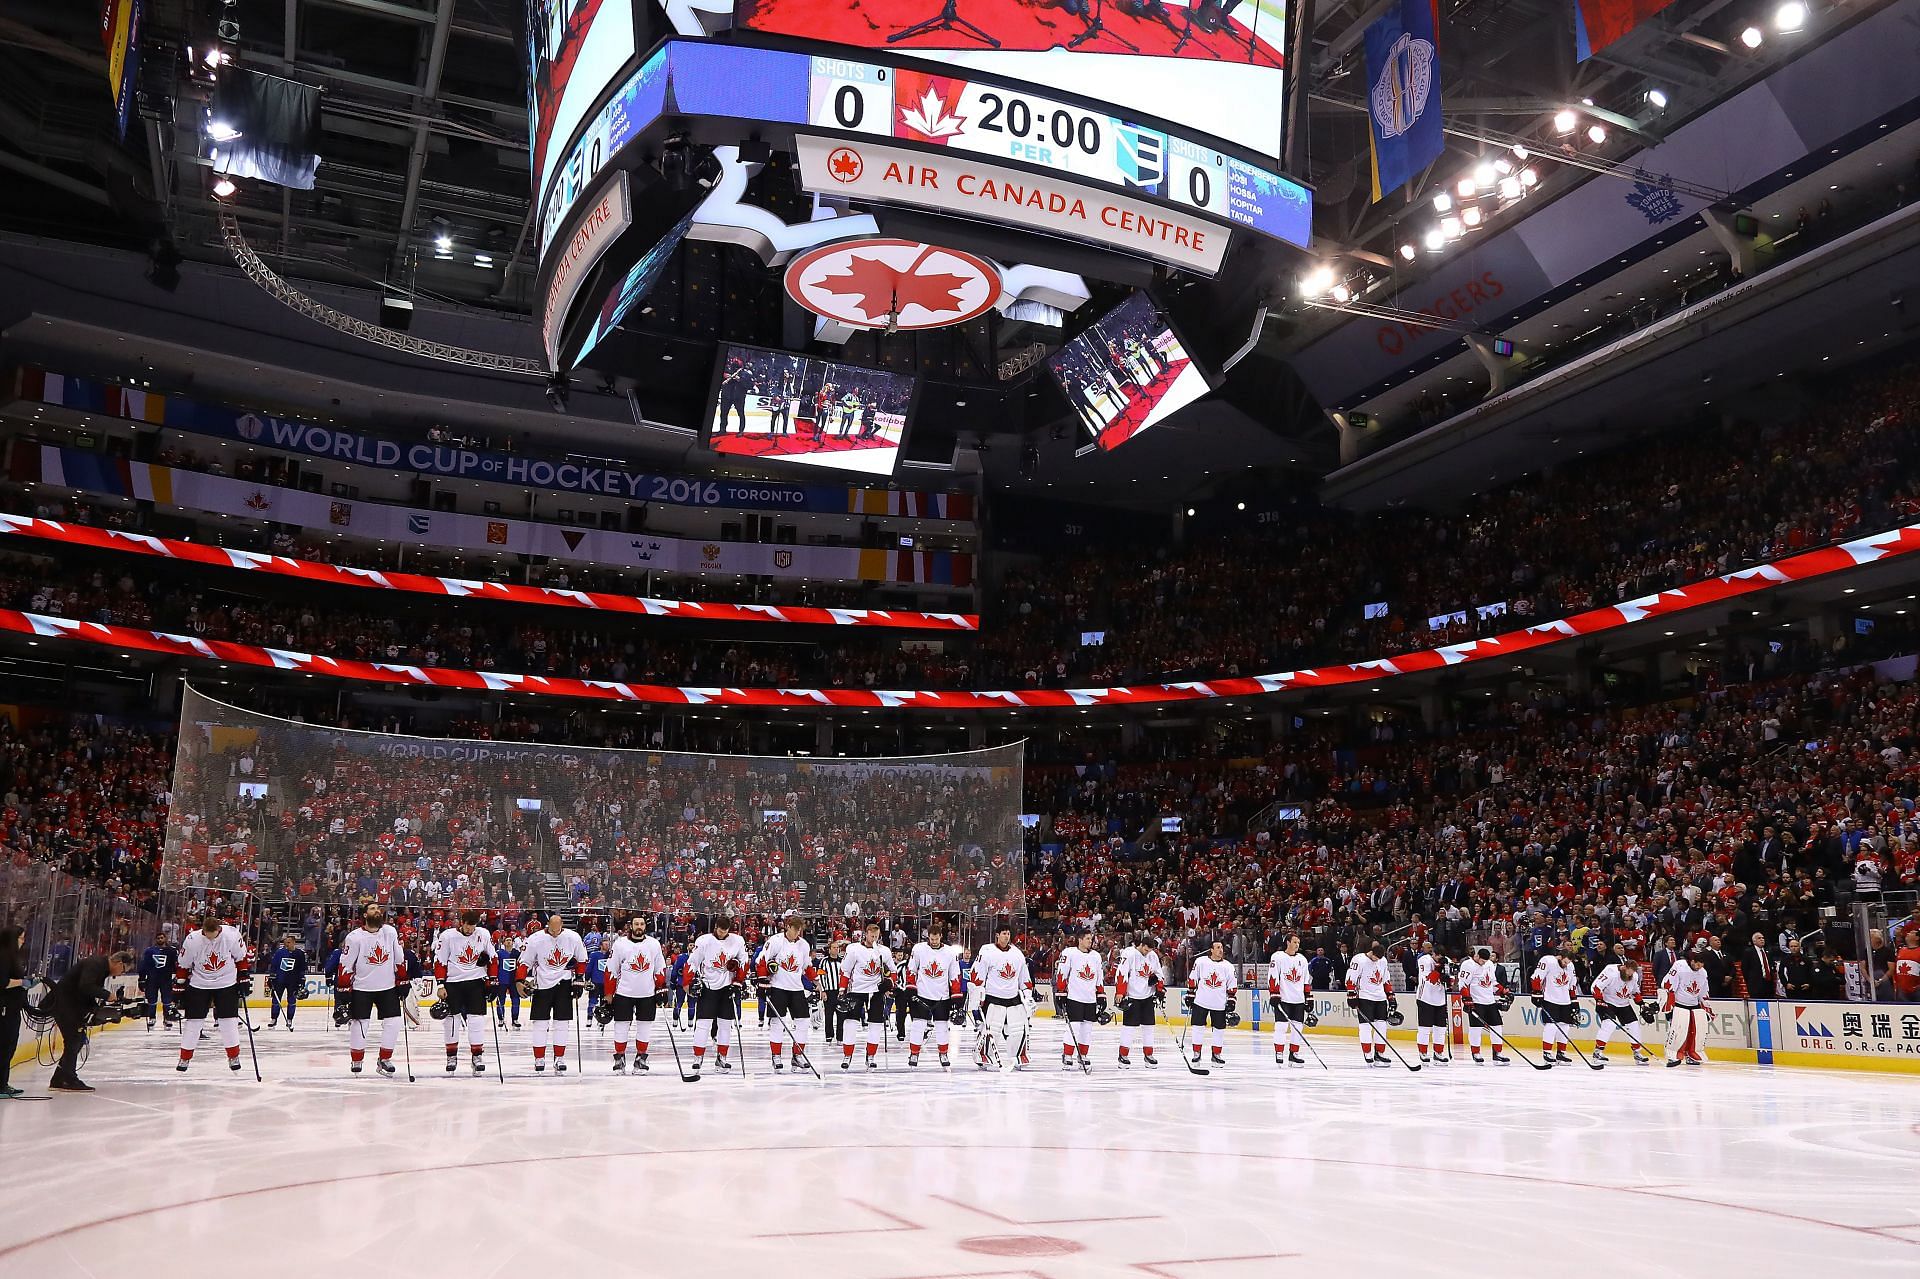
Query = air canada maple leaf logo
x=883 y=290
x=845 y=165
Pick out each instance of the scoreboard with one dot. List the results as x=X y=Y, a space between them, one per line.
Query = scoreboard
x=893 y=99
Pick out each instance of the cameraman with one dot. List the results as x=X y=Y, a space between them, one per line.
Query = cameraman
x=73 y=1003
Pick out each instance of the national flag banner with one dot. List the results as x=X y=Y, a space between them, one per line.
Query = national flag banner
x=1403 y=94
x=1598 y=23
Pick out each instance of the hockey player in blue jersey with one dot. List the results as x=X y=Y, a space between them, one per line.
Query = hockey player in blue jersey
x=157 y=963
x=596 y=972
x=286 y=979
x=509 y=954
x=676 y=978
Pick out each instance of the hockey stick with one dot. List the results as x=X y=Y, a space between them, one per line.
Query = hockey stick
x=499 y=1057
x=579 y=1037
x=1301 y=1031
x=674 y=1041
x=406 y=1039
x=1390 y=1048
x=1568 y=1036
x=1080 y=1054
x=798 y=1047
x=740 y=1024
x=1504 y=1042
x=1180 y=1044
x=247 y=1021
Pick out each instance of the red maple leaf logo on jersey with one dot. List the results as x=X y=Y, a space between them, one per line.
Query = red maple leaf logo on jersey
x=467 y=956
x=790 y=964
x=378 y=955
x=884 y=291
x=638 y=964
x=1006 y=971
x=214 y=963
x=1086 y=973
x=870 y=969
x=932 y=969
x=1213 y=980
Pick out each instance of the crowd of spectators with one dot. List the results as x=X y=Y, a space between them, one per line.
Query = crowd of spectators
x=86 y=798
x=1311 y=585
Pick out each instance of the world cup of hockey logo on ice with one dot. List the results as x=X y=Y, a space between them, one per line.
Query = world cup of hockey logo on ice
x=1399 y=97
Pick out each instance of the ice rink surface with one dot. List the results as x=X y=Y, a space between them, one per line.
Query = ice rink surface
x=1251 y=1171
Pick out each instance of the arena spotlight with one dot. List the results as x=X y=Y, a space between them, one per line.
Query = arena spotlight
x=1342 y=294
x=1657 y=99
x=1520 y=152
x=443 y=242
x=1442 y=202
x=1484 y=176
x=1528 y=178
x=1751 y=37
x=221 y=131
x=1450 y=227
x=1565 y=122
x=1467 y=186
x=1470 y=216
x=1790 y=16
x=1510 y=188
x=1597 y=134
x=1436 y=240
x=1407 y=252
x=1316 y=282
x=224 y=188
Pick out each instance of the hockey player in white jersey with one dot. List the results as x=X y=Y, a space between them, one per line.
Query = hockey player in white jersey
x=465 y=968
x=1210 y=986
x=1290 y=985
x=1370 y=993
x=1481 y=992
x=1077 y=975
x=865 y=971
x=1556 y=989
x=786 y=965
x=1006 y=990
x=636 y=974
x=1616 y=998
x=1683 y=996
x=372 y=973
x=1432 y=1001
x=211 y=977
x=553 y=962
x=933 y=976
x=717 y=974
x=1139 y=984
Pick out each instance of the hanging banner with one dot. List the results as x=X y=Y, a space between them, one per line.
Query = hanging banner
x=1598 y=23
x=1403 y=94
x=447 y=530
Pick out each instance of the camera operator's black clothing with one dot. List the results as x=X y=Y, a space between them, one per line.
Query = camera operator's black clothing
x=13 y=1001
x=71 y=1003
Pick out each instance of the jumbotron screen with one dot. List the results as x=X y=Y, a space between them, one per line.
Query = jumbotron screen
x=783 y=407
x=1126 y=373
x=578 y=48
x=1217 y=66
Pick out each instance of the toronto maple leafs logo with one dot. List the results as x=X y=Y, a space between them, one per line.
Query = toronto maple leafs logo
x=1655 y=200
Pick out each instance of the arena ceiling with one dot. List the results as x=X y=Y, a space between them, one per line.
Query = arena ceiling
x=424 y=128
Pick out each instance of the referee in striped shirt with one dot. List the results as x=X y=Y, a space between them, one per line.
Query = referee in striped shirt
x=830 y=990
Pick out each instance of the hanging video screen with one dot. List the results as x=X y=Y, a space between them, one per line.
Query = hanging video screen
x=785 y=407
x=1215 y=65
x=576 y=48
x=1127 y=373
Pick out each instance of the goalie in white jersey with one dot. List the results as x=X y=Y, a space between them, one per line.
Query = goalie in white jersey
x=1616 y=1001
x=865 y=970
x=552 y=961
x=933 y=977
x=211 y=977
x=1006 y=990
x=636 y=974
x=373 y=974
x=1139 y=985
x=464 y=966
x=1370 y=994
x=1077 y=975
x=1291 y=985
x=786 y=966
x=717 y=974
x=1432 y=1001
x=1683 y=994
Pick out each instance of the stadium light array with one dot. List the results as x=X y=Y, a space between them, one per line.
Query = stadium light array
x=224 y=188
x=1316 y=282
x=1408 y=252
x=1597 y=134
x=1565 y=122
x=221 y=131
x=1790 y=17
x=1752 y=37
